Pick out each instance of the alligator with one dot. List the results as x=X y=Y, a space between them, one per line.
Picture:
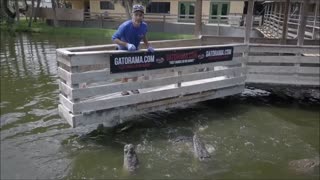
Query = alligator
x=305 y=166
x=199 y=149
x=130 y=162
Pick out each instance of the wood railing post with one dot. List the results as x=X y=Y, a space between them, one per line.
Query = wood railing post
x=316 y=12
x=249 y=21
x=285 y=22
x=303 y=22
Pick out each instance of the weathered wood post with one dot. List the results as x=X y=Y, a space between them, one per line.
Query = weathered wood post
x=272 y=22
x=303 y=22
x=249 y=17
x=198 y=23
x=279 y=19
x=249 y=21
x=285 y=22
x=316 y=12
x=269 y=16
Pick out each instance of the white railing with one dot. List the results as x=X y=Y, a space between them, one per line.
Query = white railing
x=274 y=22
x=90 y=91
x=283 y=64
x=88 y=86
x=232 y=19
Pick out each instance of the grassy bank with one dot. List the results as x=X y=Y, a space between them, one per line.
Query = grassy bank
x=41 y=27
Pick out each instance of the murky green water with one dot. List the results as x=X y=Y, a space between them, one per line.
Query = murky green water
x=248 y=137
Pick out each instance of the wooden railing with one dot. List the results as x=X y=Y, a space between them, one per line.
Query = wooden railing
x=287 y=65
x=235 y=19
x=90 y=92
x=274 y=22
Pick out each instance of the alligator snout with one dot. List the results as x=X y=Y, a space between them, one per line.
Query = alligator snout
x=131 y=161
x=199 y=149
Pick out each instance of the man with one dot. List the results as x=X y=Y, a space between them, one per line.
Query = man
x=129 y=35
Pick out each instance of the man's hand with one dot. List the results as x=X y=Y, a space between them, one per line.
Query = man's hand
x=150 y=49
x=131 y=47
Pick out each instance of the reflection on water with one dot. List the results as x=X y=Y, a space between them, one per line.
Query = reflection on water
x=247 y=137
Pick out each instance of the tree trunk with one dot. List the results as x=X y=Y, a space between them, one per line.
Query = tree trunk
x=32 y=13
x=17 y=11
x=36 y=11
x=55 y=21
x=127 y=7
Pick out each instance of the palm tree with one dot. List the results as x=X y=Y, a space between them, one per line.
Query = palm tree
x=32 y=13
x=17 y=11
x=55 y=21
x=37 y=11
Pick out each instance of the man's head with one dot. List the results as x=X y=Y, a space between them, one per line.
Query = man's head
x=137 y=14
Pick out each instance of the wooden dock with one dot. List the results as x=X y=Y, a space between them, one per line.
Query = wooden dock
x=90 y=77
x=90 y=83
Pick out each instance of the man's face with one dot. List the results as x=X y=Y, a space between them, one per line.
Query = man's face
x=137 y=17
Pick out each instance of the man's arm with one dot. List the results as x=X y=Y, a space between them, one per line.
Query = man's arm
x=119 y=42
x=145 y=41
x=117 y=36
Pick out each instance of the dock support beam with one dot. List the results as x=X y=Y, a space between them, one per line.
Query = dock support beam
x=249 y=21
x=285 y=22
x=198 y=25
x=303 y=22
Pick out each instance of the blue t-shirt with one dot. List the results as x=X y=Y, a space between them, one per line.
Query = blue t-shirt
x=130 y=34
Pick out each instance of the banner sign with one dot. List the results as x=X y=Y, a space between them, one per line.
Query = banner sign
x=165 y=59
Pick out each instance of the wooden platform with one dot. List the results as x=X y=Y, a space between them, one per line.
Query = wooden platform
x=90 y=87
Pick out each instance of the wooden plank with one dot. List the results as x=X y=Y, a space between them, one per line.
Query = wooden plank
x=104 y=75
x=283 y=70
x=152 y=96
x=112 y=117
x=270 y=79
x=89 y=48
x=81 y=60
x=283 y=80
x=173 y=48
x=64 y=51
x=64 y=113
x=313 y=80
x=309 y=70
x=272 y=69
x=66 y=102
x=175 y=43
x=155 y=44
x=284 y=49
x=118 y=87
x=65 y=89
x=61 y=58
x=65 y=75
x=284 y=59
